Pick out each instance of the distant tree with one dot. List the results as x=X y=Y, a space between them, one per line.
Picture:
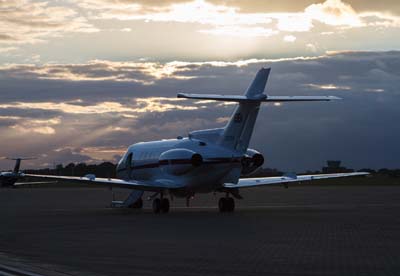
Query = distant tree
x=69 y=169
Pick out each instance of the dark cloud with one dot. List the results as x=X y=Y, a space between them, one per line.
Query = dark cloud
x=360 y=129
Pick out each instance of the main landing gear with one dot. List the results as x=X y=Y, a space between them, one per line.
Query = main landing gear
x=226 y=204
x=160 y=205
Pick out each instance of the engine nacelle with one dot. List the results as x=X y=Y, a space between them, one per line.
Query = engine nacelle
x=179 y=161
x=251 y=161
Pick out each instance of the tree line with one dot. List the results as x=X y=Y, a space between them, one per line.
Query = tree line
x=108 y=170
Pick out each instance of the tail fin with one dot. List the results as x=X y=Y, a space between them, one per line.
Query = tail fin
x=18 y=162
x=237 y=133
x=17 y=165
x=257 y=87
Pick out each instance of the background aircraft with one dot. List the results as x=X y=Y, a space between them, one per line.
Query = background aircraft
x=9 y=179
x=213 y=160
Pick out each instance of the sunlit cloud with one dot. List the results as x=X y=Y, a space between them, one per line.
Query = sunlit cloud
x=26 y=21
x=222 y=120
x=7 y=49
x=130 y=110
x=335 y=13
x=376 y=90
x=99 y=70
x=145 y=73
x=230 y=20
x=241 y=31
x=39 y=126
x=103 y=153
x=327 y=86
x=289 y=38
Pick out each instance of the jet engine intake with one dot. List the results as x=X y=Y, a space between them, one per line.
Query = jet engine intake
x=251 y=162
x=179 y=161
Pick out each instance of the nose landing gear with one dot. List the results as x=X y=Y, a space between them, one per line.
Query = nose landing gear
x=226 y=204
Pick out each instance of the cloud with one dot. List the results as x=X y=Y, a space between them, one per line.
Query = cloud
x=99 y=70
x=128 y=110
x=109 y=115
x=335 y=13
x=228 y=18
x=38 y=126
x=26 y=21
x=289 y=38
x=145 y=73
x=327 y=86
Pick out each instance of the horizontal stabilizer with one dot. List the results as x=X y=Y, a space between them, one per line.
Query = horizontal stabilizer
x=300 y=98
x=264 y=98
x=215 y=97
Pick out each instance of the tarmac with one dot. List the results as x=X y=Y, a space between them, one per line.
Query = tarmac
x=304 y=230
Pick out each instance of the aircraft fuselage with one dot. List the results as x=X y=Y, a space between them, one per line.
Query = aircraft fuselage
x=196 y=165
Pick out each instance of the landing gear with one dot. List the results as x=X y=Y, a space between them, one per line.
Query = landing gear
x=164 y=205
x=226 y=204
x=160 y=205
x=156 y=205
x=137 y=205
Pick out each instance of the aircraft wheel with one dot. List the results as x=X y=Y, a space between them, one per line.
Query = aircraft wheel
x=226 y=204
x=156 y=205
x=165 y=205
x=222 y=204
x=231 y=204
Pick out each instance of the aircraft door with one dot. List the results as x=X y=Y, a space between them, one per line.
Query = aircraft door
x=129 y=163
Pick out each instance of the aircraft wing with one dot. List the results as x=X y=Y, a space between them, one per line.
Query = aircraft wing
x=34 y=183
x=253 y=182
x=110 y=182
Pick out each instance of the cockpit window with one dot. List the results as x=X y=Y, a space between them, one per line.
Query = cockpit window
x=129 y=161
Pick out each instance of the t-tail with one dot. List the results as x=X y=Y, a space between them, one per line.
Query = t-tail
x=237 y=133
x=18 y=162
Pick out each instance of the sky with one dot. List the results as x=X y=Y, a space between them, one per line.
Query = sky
x=80 y=80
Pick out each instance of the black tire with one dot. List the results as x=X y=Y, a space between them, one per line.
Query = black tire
x=222 y=204
x=156 y=205
x=165 y=205
x=230 y=204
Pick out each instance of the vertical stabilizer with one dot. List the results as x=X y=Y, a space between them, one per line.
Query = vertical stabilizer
x=17 y=165
x=257 y=87
x=238 y=131
x=18 y=162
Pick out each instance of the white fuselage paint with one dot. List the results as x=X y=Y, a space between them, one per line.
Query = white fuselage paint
x=220 y=165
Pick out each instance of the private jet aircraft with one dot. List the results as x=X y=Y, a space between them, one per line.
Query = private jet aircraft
x=207 y=161
x=10 y=178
